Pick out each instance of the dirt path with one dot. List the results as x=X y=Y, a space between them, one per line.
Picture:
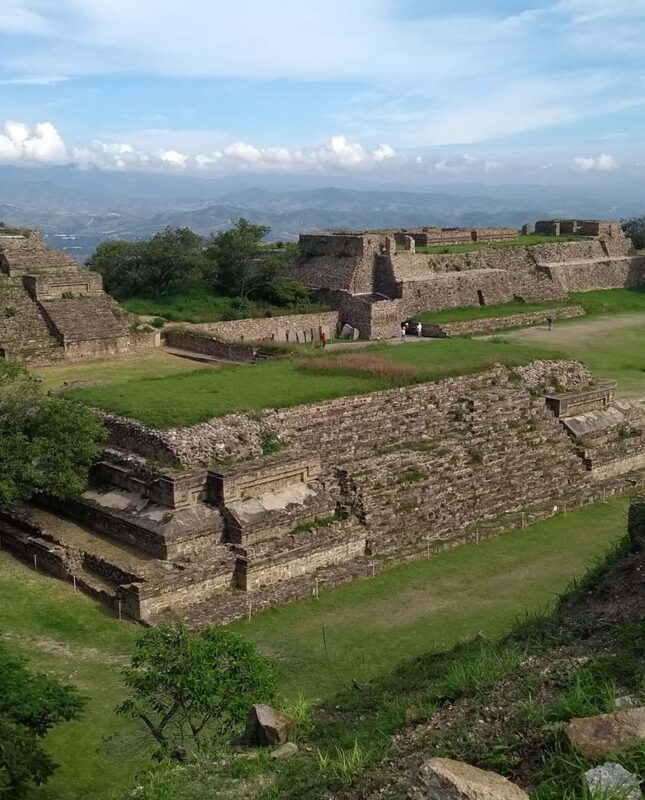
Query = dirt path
x=580 y=330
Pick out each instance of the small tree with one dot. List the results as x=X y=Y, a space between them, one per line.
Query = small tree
x=635 y=229
x=186 y=688
x=30 y=705
x=46 y=444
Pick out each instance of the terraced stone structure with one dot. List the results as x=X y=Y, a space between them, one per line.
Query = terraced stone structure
x=377 y=279
x=195 y=523
x=50 y=310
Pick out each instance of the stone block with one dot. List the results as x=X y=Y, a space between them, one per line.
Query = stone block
x=598 y=736
x=445 y=779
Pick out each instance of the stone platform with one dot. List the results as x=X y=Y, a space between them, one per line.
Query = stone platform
x=50 y=310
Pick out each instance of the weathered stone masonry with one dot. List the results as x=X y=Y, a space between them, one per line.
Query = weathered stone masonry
x=50 y=310
x=375 y=286
x=358 y=478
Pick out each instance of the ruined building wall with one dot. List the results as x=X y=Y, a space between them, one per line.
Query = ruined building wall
x=436 y=457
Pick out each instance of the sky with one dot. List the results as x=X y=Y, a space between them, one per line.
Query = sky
x=406 y=91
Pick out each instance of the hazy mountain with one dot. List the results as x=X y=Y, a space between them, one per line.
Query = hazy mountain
x=78 y=209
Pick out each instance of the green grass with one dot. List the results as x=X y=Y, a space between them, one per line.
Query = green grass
x=431 y=604
x=155 y=363
x=468 y=313
x=202 y=304
x=610 y=301
x=519 y=241
x=197 y=396
x=602 y=302
x=370 y=627
x=71 y=637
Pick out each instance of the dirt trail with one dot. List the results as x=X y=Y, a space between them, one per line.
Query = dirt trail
x=578 y=331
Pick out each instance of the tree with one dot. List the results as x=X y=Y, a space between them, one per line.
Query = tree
x=31 y=704
x=186 y=688
x=46 y=443
x=635 y=229
x=171 y=258
x=119 y=264
x=237 y=254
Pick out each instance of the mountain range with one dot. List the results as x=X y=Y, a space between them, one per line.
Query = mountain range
x=78 y=209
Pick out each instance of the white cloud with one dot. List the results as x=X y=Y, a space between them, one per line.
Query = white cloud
x=602 y=163
x=41 y=144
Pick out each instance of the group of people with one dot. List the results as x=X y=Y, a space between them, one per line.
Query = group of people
x=411 y=327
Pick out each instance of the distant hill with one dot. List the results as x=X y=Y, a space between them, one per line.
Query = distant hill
x=77 y=210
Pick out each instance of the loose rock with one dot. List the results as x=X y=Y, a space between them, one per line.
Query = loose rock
x=597 y=737
x=612 y=777
x=285 y=751
x=266 y=726
x=445 y=779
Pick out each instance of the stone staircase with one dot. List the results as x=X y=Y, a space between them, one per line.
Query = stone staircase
x=609 y=432
x=83 y=318
x=24 y=334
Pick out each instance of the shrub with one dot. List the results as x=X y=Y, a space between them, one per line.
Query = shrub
x=158 y=322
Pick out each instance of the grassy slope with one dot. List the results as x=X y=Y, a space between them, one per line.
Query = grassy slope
x=201 y=305
x=197 y=396
x=520 y=240
x=596 y=303
x=407 y=610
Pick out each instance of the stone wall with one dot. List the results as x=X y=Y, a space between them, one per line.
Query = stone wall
x=289 y=329
x=435 y=457
x=210 y=346
x=492 y=324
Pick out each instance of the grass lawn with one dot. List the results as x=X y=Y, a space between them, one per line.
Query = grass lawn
x=199 y=395
x=201 y=304
x=467 y=313
x=520 y=240
x=611 y=346
x=370 y=626
x=69 y=636
x=598 y=303
x=150 y=364
x=610 y=301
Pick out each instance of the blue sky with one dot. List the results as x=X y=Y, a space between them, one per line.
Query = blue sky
x=400 y=90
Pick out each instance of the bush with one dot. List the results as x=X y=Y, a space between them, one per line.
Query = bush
x=158 y=322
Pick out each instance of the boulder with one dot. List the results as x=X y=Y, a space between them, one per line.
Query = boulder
x=596 y=737
x=267 y=727
x=613 y=779
x=445 y=779
x=346 y=331
x=285 y=750
x=355 y=334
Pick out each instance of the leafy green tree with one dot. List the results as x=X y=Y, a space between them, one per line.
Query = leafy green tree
x=119 y=264
x=174 y=257
x=171 y=258
x=188 y=688
x=237 y=255
x=635 y=229
x=46 y=443
x=31 y=704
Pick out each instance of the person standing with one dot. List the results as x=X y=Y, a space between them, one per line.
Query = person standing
x=403 y=332
x=323 y=339
x=549 y=322
x=419 y=329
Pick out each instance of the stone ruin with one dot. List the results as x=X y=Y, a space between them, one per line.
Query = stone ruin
x=50 y=310
x=195 y=524
x=375 y=280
